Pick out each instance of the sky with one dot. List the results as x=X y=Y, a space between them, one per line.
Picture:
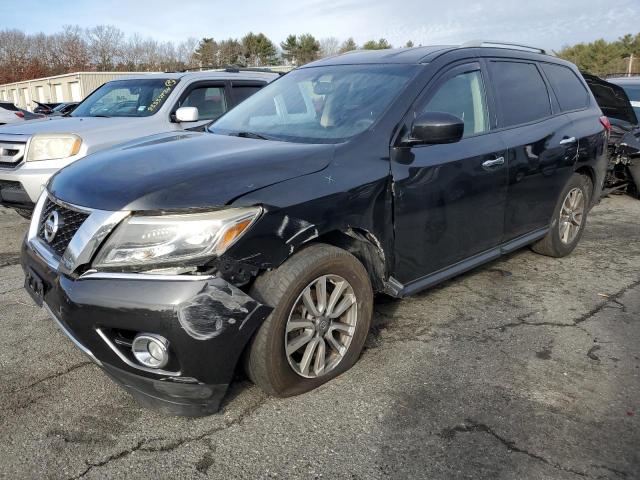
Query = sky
x=550 y=24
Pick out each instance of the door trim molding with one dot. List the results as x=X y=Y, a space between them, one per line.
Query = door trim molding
x=395 y=288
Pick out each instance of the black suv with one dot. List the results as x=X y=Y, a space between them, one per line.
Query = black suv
x=173 y=259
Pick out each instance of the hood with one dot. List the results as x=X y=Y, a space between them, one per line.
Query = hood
x=183 y=170
x=79 y=125
x=612 y=99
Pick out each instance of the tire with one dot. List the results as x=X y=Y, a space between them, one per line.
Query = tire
x=266 y=362
x=553 y=244
x=24 y=213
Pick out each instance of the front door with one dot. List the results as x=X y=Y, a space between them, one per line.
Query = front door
x=449 y=201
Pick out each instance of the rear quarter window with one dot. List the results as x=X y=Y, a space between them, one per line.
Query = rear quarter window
x=569 y=90
x=521 y=92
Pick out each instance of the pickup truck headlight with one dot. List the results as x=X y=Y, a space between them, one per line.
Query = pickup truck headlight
x=148 y=241
x=53 y=146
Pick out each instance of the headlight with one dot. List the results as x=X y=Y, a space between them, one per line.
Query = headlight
x=53 y=146
x=148 y=241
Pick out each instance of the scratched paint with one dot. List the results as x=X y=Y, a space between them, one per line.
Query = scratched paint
x=212 y=311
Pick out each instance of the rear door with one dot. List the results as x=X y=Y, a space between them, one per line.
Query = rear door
x=541 y=141
x=449 y=198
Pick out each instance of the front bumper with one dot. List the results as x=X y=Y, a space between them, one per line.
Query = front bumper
x=13 y=194
x=207 y=321
x=32 y=180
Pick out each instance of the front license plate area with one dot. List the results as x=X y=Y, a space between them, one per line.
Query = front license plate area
x=34 y=286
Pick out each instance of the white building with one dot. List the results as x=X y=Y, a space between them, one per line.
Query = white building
x=70 y=87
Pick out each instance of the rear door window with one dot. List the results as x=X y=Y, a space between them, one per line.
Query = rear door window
x=242 y=92
x=521 y=93
x=570 y=92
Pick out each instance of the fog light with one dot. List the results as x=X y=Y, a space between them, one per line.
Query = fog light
x=151 y=350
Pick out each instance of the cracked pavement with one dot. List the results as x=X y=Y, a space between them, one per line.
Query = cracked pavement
x=526 y=368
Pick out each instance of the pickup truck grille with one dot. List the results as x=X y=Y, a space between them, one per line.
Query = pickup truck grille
x=11 y=154
x=69 y=221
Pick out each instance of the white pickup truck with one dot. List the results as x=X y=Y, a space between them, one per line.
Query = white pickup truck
x=117 y=112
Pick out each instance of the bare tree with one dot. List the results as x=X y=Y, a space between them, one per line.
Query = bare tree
x=71 y=49
x=185 y=52
x=105 y=46
x=329 y=46
x=14 y=55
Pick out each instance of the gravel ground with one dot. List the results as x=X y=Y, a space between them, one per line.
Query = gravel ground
x=528 y=367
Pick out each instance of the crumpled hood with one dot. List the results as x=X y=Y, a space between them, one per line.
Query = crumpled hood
x=183 y=170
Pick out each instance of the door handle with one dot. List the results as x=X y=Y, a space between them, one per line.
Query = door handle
x=566 y=141
x=489 y=164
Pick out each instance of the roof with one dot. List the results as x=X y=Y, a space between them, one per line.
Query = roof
x=245 y=74
x=208 y=74
x=417 y=55
x=395 y=55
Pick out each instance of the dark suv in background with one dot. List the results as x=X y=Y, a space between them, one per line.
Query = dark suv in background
x=171 y=258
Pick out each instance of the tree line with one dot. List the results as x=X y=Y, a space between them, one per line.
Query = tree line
x=106 y=48
x=605 y=58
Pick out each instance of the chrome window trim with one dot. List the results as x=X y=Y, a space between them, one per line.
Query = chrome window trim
x=70 y=335
x=122 y=357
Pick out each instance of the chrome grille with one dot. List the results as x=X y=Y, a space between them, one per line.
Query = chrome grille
x=11 y=154
x=69 y=222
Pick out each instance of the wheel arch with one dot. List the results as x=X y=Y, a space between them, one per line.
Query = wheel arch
x=363 y=245
x=589 y=172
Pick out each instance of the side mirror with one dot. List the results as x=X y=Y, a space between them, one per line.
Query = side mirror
x=436 y=127
x=187 y=114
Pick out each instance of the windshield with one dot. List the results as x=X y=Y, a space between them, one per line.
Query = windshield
x=126 y=98
x=318 y=104
x=633 y=92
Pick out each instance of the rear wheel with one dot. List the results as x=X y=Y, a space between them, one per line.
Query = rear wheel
x=569 y=218
x=323 y=304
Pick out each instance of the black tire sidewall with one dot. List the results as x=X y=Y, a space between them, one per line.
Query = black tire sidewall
x=284 y=380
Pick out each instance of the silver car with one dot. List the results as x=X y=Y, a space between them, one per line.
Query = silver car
x=117 y=112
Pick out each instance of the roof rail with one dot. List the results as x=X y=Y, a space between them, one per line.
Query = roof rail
x=496 y=44
x=227 y=68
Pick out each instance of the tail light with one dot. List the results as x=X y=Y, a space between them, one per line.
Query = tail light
x=19 y=114
x=606 y=124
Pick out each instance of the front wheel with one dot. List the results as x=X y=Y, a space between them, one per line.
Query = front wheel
x=323 y=304
x=569 y=218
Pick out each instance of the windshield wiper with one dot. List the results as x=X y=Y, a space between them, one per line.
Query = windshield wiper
x=102 y=116
x=257 y=136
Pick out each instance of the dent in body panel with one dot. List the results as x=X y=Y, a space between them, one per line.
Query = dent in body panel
x=215 y=309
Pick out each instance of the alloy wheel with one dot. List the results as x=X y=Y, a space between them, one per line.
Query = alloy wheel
x=321 y=326
x=571 y=215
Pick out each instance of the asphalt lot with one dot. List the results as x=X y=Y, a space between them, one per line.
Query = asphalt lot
x=526 y=368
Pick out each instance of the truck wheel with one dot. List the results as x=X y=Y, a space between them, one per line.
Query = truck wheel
x=323 y=304
x=569 y=218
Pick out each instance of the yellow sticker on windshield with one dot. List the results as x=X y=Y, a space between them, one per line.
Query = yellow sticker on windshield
x=168 y=86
